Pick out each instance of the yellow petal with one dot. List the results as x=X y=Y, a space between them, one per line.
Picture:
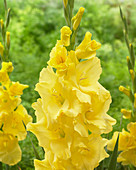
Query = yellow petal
x=128 y=157
x=87 y=48
x=14 y=122
x=65 y=35
x=39 y=165
x=7 y=66
x=16 y=89
x=10 y=152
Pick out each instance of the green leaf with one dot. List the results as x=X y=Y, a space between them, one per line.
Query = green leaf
x=113 y=160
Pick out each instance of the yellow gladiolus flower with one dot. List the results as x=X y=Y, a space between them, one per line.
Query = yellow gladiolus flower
x=7 y=67
x=10 y=152
x=128 y=157
x=126 y=141
x=132 y=128
x=126 y=113
x=65 y=35
x=8 y=103
x=87 y=48
x=4 y=78
x=16 y=89
x=58 y=98
x=88 y=152
x=83 y=77
x=127 y=144
x=58 y=57
x=14 y=122
x=96 y=118
x=57 y=138
x=77 y=18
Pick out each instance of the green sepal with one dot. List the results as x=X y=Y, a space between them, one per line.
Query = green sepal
x=132 y=54
x=8 y=18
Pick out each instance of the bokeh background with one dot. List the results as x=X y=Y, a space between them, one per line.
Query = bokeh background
x=35 y=27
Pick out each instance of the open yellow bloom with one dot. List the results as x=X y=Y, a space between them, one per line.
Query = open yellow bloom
x=16 y=89
x=14 y=122
x=128 y=157
x=83 y=78
x=86 y=153
x=87 y=48
x=58 y=57
x=127 y=144
x=10 y=152
x=77 y=18
x=57 y=98
x=65 y=35
x=7 y=102
x=126 y=141
x=7 y=67
x=56 y=138
x=4 y=78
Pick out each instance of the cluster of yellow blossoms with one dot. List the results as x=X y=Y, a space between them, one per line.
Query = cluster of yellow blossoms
x=71 y=113
x=13 y=116
x=127 y=144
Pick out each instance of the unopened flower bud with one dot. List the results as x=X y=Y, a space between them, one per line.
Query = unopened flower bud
x=65 y=35
x=132 y=74
x=1 y=49
x=77 y=18
x=124 y=90
x=65 y=2
x=126 y=113
x=2 y=23
x=8 y=38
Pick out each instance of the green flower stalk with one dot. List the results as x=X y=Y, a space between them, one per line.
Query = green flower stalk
x=131 y=68
x=5 y=44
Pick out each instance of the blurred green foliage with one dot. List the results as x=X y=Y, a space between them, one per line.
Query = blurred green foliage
x=35 y=27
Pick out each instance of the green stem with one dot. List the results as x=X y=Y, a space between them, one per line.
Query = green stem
x=73 y=39
x=66 y=15
x=1 y=166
